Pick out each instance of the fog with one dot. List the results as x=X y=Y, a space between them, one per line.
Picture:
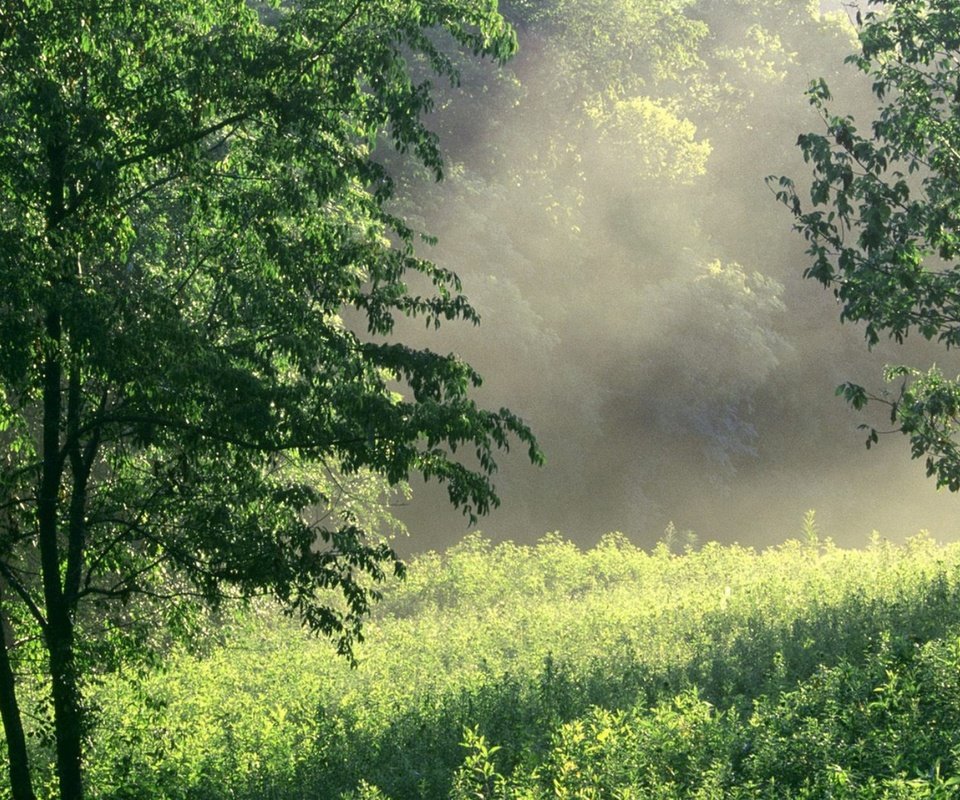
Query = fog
x=641 y=291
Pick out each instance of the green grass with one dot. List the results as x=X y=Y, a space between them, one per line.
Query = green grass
x=549 y=672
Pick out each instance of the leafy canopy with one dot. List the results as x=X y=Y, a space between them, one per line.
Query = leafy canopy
x=191 y=196
x=883 y=218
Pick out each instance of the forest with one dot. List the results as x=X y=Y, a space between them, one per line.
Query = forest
x=625 y=147
x=299 y=294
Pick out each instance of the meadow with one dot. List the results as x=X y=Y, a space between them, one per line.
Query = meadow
x=501 y=671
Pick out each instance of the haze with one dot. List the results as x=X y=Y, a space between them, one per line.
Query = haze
x=640 y=288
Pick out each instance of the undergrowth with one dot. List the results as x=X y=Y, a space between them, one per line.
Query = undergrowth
x=501 y=671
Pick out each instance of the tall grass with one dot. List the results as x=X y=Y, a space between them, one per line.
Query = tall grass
x=612 y=660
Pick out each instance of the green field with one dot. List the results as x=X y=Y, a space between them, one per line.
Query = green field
x=499 y=671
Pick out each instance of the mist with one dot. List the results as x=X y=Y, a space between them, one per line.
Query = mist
x=641 y=291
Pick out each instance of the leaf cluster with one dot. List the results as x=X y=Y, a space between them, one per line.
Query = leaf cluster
x=883 y=211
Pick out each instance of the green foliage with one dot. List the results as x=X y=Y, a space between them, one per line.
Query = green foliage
x=887 y=728
x=676 y=541
x=477 y=778
x=666 y=752
x=365 y=792
x=666 y=146
x=624 y=145
x=601 y=47
x=722 y=672
x=883 y=209
x=193 y=201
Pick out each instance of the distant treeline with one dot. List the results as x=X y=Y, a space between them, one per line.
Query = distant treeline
x=604 y=202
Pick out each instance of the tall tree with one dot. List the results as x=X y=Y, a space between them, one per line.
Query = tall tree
x=190 y=197
x=883 y=217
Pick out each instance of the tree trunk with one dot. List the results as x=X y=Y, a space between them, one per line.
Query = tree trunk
x=68 y=726
x=58 y=631
x=20 y=785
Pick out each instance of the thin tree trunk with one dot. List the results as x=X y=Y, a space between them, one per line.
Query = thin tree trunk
x=68 y=726
x=19 y=764
x=58 y=634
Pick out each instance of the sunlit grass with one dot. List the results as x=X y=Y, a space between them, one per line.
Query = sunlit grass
x=540 y=650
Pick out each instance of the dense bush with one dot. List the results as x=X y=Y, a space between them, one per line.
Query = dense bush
x=888 y=728
x=804 y=670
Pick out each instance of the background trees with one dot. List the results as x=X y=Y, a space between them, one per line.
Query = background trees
x=882 y=218
x=191 y=195
x=620 y=154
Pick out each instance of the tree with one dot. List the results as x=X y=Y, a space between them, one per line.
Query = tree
x=191 y=196
x=883 y=221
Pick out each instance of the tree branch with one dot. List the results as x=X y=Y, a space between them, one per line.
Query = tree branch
x=23 y=594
